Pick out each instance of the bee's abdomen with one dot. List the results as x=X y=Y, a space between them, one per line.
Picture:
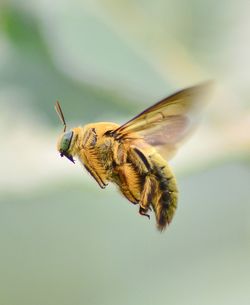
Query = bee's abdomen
x=166 y=193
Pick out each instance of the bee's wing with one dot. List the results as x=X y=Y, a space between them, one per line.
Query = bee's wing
x=168 y=123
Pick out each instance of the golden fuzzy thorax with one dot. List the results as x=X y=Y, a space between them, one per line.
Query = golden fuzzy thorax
x=141 y=174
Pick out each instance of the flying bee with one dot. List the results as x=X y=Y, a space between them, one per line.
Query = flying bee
x=134 y=155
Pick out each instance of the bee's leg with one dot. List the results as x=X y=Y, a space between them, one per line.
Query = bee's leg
x=86 y=157
x=145 y=167
x=127 y=182
x=143 y=212
x=97 y=178
x=146 y=196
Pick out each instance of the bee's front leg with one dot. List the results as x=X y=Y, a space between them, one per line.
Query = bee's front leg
x=92 y=164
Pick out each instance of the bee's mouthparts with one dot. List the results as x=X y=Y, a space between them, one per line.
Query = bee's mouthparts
x=62 y=154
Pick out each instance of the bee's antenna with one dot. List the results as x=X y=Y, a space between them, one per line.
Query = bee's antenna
x=60 y=114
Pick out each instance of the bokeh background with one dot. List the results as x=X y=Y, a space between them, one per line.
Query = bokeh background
x=65 y=241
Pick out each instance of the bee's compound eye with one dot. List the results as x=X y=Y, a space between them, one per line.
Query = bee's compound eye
x=66 y=140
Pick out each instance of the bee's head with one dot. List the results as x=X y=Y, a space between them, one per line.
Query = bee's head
x=65 y=141
x=64 y=145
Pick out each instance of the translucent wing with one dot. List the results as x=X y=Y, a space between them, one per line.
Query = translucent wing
x=168 y=123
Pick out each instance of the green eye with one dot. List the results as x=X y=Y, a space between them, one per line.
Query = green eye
x=66 y=140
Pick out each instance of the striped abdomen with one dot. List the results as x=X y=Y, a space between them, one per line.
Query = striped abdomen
x=165 y=194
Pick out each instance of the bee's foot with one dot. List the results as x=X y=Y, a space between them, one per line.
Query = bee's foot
x=143 y=212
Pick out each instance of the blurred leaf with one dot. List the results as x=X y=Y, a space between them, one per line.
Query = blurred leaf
x=70 y=243
x=30 y=68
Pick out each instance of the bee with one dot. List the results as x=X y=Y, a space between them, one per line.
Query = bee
x=135 y=155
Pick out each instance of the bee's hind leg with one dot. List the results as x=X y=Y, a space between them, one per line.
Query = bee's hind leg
x=143 y=212
x=147 y=192
x=146 y=197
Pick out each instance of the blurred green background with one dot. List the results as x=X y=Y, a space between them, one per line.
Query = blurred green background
x=64 y=240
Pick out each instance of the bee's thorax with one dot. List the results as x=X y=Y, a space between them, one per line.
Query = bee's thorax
x=76 y=141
